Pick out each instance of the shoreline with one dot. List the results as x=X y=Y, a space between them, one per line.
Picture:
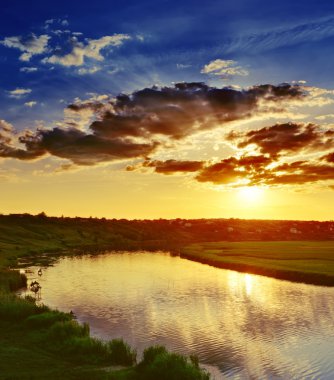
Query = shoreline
x=292 y=276
x=306 y=262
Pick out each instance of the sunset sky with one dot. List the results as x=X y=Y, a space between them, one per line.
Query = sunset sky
x=166 y=109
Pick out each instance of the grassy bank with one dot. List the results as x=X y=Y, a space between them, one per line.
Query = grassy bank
x=300 y=261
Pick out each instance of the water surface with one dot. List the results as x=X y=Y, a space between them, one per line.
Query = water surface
x=243 y=326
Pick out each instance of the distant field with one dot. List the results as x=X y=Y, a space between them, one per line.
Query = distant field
x=301 y=261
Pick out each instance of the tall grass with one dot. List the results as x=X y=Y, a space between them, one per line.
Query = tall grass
x=121 y=352
x=160 y=364
x=46 y=319
x=16 y=309
x=12 y=280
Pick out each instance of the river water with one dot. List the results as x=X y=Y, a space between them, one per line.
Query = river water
x=241 y=326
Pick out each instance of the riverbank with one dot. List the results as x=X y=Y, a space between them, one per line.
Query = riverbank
x=38 y=343
x=298 y=261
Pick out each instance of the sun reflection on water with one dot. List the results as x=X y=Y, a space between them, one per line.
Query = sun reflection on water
x=246 y=325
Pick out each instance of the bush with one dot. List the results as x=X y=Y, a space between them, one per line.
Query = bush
x=87 y=350
x=17 y=309
x=150 y=354
x=64 y=330
x=46 y=319
x=12 y=280
x=121 y=352
x=160 y=364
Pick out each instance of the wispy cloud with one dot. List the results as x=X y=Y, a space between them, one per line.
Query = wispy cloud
x=29 y=46
x=90 y=49
x=28 y=69
x=224 y=68
x=90 y=70
x=279 y=37
x=19 y=92
x=30 y=104
x=182 y=66
x=56 y=21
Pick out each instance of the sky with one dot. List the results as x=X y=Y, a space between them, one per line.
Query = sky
x=167 y=109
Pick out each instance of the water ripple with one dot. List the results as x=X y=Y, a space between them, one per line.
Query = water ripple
x=241 y=326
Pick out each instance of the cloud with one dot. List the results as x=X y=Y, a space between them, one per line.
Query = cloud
x=30 y=104
x=296 y=173
x=224 y=69
x=233 y=169
x=258 y=170
x=19 y=92
x=28 y=69
x=286 y=138
x=170 y=166
x=90 y=70
x=182 y=110
x=79 y=147
x=329 y=157
x=6 y=130
x=310 y=31
x=92 y=49
x=29 y=46
x=135 y=125
x=182 y=66
x=59 y=21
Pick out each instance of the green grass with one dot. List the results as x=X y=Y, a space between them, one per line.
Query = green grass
x=301 y=261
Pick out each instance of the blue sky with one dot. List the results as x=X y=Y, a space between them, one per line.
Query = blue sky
x=169 y=41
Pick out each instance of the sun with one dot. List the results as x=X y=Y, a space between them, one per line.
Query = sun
x=251 y=194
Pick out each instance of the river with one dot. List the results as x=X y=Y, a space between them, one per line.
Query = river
x=241 y=326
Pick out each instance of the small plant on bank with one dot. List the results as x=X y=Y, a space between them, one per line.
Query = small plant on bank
x=121 y=352
x=160 y=364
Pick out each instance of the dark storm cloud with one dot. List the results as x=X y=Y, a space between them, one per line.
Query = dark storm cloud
x=129 y=126
x=285 y=138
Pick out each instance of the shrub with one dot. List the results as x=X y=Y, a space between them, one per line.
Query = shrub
x=46 y=319
x=17 y=309
x=86 y=349
x=60 y=331
x=121 y=352
x=169 y=366
x=194 y=360
x=12 y=280
x=150 y=354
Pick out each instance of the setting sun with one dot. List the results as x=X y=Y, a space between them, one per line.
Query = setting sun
x=251 y=194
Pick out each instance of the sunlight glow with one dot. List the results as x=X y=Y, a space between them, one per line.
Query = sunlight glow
x=251 y=194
